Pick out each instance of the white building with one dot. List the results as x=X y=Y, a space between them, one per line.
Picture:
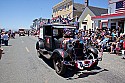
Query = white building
x=85 y=21
x=114 y=18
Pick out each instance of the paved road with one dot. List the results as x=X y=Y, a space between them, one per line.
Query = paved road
x=20 y=64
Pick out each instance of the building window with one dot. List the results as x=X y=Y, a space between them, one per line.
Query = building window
x=65 y=7
x=68 y=6
x=104 y=25
x=121 y=26
x=84 y=28
x=54 y=11
x=84 y=22
x=60 y=8
x=57 y=9
x=63 y=16
x=92 y=26
x=113 y=26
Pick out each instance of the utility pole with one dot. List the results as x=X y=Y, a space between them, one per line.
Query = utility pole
x=72 y=9
x=86 y=3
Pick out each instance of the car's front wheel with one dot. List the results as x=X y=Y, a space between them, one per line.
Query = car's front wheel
x=59 y=66
x=93 y=56
x=38 y=53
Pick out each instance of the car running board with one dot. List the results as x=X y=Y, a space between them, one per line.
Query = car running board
x=45 y=53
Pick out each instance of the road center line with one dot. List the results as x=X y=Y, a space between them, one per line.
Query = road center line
x=27 y=49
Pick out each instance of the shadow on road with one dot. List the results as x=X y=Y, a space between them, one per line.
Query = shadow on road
x=83 y=74
x=49 y=62
x=71 y=71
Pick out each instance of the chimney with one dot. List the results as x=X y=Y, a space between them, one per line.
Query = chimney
x=86 y=3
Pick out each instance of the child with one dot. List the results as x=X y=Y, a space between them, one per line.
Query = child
x=117 y=46
x=123 y=51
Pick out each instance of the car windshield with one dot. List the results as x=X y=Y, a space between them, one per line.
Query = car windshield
x=63 y=32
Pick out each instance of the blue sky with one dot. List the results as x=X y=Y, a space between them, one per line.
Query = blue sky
x=16 y=14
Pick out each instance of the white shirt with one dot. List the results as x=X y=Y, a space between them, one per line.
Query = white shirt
x=99 y=41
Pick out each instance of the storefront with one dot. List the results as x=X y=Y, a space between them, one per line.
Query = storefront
x=114 y=21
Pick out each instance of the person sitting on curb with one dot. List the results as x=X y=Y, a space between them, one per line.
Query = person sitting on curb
x=117 y=46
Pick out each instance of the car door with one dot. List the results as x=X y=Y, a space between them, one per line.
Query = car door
x=48 y=37
x=48 y=42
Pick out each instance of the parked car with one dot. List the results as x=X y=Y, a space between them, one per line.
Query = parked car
x=56 y=42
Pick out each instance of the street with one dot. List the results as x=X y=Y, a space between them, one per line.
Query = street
x=20 y=64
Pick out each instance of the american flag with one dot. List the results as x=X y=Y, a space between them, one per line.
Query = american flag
x=120 y=7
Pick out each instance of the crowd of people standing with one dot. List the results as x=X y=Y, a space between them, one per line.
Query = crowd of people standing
x=5 y=36
x=110 y=40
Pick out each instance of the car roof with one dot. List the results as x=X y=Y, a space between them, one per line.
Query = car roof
x=60 y=26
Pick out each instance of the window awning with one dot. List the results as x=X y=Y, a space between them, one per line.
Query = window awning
x=109 y=16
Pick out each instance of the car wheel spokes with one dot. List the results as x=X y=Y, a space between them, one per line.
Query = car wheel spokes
x=58 y=64
x=90 y=56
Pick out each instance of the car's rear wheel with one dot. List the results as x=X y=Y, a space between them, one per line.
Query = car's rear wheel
x=60 y=68
x=37 y=49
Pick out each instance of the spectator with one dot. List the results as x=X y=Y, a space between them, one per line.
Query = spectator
x=79 y=35
x=0 y=39
x=117 y=46
x=6 y=38
x=28 y=32
x=123 y=50
x=114 y=35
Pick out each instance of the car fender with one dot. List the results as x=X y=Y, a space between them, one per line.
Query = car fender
x=61 y=53
x=37 y=45
x=41 y=44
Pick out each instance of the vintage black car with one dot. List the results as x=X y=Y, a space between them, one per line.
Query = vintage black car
x=56 y=42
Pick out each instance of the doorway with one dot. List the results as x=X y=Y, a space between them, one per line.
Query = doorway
x=121 y=26
x=113 y=26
